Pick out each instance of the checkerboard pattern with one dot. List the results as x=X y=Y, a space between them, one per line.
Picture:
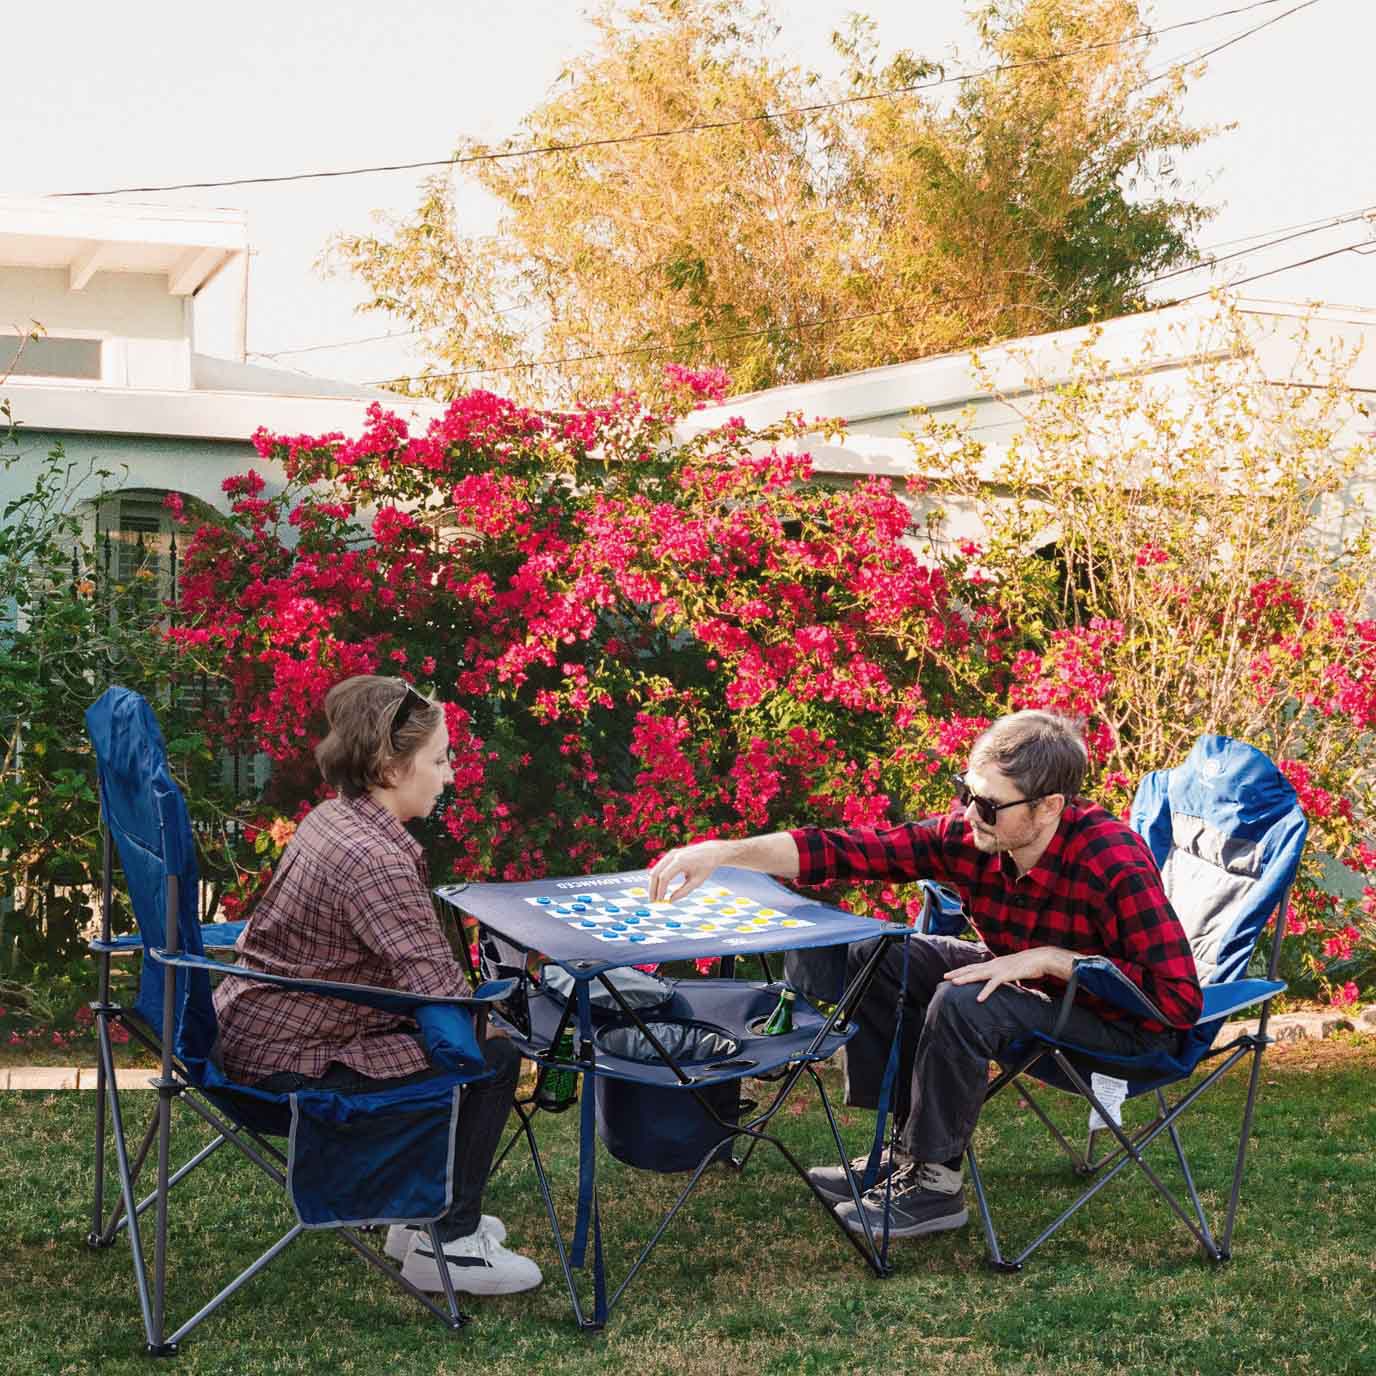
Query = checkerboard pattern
x=712 y=913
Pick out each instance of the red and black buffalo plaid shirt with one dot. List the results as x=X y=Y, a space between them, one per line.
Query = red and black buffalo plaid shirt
x=1095 y=891
x=350 y=901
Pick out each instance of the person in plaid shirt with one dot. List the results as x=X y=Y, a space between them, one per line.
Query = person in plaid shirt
x=350 y=902
x=1046 y=877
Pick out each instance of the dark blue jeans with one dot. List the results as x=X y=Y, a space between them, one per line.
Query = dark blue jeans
x=483 y=1112
x=949 y=1038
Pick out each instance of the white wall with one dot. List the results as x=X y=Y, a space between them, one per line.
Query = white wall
x=149 y=328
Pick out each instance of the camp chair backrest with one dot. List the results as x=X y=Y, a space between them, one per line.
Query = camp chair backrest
x=151 y=829
x=1227 y=831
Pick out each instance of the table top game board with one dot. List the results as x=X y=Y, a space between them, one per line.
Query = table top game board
x=607 y=920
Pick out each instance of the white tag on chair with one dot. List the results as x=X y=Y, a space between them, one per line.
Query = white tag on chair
x=1110 y=1092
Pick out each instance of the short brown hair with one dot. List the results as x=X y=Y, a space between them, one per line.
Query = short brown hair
x=363 y=749
x=1040 y=752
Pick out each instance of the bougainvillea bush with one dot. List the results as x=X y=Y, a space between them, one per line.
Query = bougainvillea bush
x=642 y=639
x=638 y=640
x=1203 y=562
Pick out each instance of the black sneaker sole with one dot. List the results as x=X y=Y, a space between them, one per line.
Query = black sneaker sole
x=946 y=1223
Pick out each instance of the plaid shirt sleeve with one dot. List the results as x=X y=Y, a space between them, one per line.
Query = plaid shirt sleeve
x=392 y=913
x=910 y=850
x=1145 y=941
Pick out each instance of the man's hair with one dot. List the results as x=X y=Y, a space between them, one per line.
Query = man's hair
x=1040 y=753
x=364 y=747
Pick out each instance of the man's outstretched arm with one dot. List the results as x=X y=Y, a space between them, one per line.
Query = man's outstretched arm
x=678 y=872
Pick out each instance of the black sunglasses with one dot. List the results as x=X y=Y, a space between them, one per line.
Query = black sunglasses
x=401 y=713
x=986 y=808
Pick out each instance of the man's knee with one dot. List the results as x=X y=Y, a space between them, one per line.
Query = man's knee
x=959 y=1006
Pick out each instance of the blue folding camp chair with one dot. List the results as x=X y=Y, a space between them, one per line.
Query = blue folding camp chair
x=351 y=1159
x=1228 y=832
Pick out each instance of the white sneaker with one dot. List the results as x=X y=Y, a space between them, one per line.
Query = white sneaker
x=401 y=1235
x=478 y=1265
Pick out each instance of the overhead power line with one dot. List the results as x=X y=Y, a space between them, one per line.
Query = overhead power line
x=1210 y=257
x=1182 y=63
x=544 y=150
x=736 y=336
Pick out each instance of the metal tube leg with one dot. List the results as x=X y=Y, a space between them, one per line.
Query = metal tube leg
x=126 y=1186
x=96 y=1238
x=1225 y=1250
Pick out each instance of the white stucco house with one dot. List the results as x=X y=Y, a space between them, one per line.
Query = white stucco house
x=113 y=375
x=877 y=404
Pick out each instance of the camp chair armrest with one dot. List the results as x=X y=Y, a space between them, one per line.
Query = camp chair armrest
x=1099 y=976
x=401 y=1001
x=942 y=912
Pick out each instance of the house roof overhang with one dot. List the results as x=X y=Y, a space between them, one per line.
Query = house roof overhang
x=84 y=237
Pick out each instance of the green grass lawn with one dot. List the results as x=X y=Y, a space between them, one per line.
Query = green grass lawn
x=751 y=1277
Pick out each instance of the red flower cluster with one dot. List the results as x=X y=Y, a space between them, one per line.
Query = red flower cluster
x=641 y=640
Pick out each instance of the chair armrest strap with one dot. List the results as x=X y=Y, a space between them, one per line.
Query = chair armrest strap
x=1099 y=976
x=388 y=1000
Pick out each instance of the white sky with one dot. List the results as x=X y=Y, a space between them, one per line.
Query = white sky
x=153 y=92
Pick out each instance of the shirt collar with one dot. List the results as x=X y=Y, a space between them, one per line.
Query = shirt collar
x=1043 y=875
x=372 y=812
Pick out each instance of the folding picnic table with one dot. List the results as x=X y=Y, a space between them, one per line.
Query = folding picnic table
x=591 y=925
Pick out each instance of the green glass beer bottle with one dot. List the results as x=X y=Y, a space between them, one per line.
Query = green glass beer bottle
x=781 y=1019
x=558 y=1087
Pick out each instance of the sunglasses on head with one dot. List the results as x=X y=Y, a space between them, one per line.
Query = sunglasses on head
x=986 y=809
x=401 y=714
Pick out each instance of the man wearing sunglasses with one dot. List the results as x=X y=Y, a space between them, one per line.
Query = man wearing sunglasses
x=1045 y=877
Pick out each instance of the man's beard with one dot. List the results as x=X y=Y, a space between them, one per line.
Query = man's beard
x=986 y=841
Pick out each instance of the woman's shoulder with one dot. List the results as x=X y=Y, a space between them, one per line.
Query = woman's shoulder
x=346 y=833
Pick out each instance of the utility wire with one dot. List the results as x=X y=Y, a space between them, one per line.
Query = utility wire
x=846 y=320
x=819 y=107
x=1218 y=48
x=1208 y=258
x=1272 y=272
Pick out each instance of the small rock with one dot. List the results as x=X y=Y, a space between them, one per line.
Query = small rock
x=1297 y=1027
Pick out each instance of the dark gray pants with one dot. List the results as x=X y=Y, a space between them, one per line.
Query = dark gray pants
x=949 y=1038
x=483 y=1113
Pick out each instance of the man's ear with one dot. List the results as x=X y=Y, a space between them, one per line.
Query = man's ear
x=1056 y=802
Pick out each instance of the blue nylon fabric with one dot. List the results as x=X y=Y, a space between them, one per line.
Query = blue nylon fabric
x=142 y=807
x=1239 y=792
x=381 y=1157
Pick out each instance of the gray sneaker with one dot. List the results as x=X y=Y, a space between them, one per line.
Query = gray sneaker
x=831 y=1181
x=923 y=1199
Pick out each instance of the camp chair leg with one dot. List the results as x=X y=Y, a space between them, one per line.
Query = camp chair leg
x=454 y=1319
x=126 y=1182
x=237 y=1284
x=119 y=1221
x=1078 y=1161
x=97 y=1236
x=1261 y=1042
x=117 y=1215
x=1184 y=1164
